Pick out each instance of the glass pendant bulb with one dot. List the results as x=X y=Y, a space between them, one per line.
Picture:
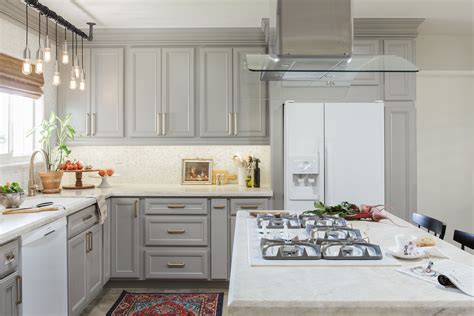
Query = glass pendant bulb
x=56 y=76
x=47 y=50
x=77 y=69
x=82 y=83
x=39 y=61
x=73 y=83
x=65 y=57
x=26 y=67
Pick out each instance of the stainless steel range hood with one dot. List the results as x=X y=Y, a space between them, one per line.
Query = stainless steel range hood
x=312 y=40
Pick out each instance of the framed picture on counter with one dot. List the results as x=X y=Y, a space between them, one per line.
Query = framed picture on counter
x=197 y=171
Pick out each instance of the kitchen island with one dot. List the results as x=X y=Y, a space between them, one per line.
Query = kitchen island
x=342 y=290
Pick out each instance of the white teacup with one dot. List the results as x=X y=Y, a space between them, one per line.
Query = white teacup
x=404 y=242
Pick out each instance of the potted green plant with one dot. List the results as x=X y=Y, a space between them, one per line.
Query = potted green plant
x=61 y=130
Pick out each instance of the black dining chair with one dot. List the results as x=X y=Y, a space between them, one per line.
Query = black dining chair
x=464 y=238
x=431 y=224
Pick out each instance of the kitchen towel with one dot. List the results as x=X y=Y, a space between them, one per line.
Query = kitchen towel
x=102 y=205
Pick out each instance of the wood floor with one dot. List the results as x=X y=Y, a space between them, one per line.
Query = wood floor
x=101 y=305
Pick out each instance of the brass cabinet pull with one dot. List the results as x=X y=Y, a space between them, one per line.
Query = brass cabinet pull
x=230 y=123
x=176 y=206
x=163 y=131
x=19 y=290
x=136 y=209
x=176 y=231
x=88 y=242
x=219 y=207
x=158 y=123
x=91 y=242
x=88 y=120
x=236 y=128
x=249 y=207
x=176 y=265
x=86 y=218
x=10 y=258
x=93 y=125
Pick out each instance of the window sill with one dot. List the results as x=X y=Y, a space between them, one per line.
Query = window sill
x=10 y=165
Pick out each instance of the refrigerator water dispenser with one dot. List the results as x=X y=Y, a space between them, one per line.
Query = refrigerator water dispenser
x=304 y=172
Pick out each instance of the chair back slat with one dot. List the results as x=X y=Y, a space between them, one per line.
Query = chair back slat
x=431 y=224
x=464 y=238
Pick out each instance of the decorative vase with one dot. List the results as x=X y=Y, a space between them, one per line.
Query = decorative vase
x=51 y=181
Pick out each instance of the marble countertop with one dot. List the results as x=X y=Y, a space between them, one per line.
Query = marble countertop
x=342 y=290
x=171 y=190
x=13 y=226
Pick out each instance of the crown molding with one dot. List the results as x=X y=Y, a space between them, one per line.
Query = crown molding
x=13 y=11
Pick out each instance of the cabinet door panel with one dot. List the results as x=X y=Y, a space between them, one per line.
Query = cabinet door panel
x=216 y=91
x=367 y=48
x=107 y=92
x=144 y=91
x=106 y=246
x=399 y=86
x=76 y=102
x=77 y=274
x=178 y=92
x=249 y=96
x=94 y=262
x=219 y=239
x=8 y=296
x=125 y=238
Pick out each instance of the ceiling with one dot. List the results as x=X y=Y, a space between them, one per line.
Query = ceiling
x=442 y=16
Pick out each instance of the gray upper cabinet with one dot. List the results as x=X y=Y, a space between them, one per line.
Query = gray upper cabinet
x=249 y=96
x=400 y=86
x=232 y=98
x=367 y=48
x=216 y=92
x=144 y=92
x=97 y=111
x=125 y=242
x=177 y=96
x=107 y=92
x=76 y=102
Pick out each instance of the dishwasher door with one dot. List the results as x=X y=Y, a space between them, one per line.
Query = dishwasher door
x=44 y=270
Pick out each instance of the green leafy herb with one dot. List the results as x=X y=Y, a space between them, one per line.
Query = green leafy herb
x=13 y=187
x=342 y=210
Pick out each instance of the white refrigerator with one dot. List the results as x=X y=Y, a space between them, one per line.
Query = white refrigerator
x=333 y=152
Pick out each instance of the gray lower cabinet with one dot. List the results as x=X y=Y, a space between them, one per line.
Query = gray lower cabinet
x=219 y=239
x=84 y=268
x=9 y=300
x=173 y=263
x=125 y=242
x=106 y=245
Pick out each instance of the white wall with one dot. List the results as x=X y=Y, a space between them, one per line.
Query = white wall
x=12 y=42
x=445 y=129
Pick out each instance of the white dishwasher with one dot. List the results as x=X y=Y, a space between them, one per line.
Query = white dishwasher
x=44 y=270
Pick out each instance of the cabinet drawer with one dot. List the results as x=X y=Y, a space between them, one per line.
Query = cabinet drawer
x=8 y=257
x=176 y=206
x=82 y=220
x=176 y=230
x=183 y=263
x=248 y=205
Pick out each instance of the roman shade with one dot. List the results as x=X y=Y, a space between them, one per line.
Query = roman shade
x=13 y=81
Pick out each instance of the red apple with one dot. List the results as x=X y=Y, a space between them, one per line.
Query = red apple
x=110 y=172
x=102 y=172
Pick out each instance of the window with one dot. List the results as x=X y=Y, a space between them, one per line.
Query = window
x=18 y=115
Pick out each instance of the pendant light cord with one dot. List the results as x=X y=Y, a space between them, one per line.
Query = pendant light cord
x=56 y=41
x=72 y=55
x=26 y=11
x=82 y=53
x=39 y=30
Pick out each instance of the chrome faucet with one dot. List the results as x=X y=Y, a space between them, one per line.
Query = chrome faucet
x=32 y=187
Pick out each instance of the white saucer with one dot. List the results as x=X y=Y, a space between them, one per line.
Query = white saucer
x=397 y=254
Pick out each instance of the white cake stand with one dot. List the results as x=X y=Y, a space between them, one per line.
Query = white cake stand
x=105 y=182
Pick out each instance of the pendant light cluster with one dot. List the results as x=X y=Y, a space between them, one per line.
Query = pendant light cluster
x=43 y=54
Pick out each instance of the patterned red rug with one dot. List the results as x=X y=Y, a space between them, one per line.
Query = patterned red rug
x=164 y=304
